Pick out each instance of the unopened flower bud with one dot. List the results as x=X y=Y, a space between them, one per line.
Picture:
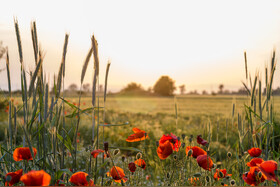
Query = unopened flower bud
x=207 y=178
x=138 y=155
x=232 y=182
x=116 y=152
x=183 y=136
x=167 y=175
x=190 y=152
x=221 y=174
x=157 y=143
x=259 y=175
x=106 y=146
x=123 y=158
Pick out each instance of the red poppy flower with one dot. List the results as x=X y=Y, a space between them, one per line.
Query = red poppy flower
x=148 y=177
x=197 y=151
x=23 y=153
x=268 y=169
x=255 y=152
x=201 y=141
x=117 y=174
x=254 y=162
x=137 y=136
x=176 y=144
x=252 y=177
x=80 y=179
x=205 y=162
x=95 y=153
x=164 y=150
x=60 y=183
x=36 y=178
x=220 y=172
x=78 y=134
x=141 y=163
x=15 y=177
x=132 y=167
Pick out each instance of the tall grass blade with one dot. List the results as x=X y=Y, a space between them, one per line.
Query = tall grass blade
x=34 y=41
x=34 y=76
x=106 y=80
x=18 y=41
x=86 y=65
x=8 y=73
x=246 y=67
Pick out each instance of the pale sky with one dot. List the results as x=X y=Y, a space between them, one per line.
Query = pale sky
x=197 y=43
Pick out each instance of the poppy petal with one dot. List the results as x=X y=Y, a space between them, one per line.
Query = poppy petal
x=96 y=152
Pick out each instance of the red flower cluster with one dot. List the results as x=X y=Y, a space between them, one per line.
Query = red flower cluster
x=260 y=171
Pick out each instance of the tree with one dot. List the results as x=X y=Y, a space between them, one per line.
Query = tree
x=182 y=89
x=86 y=87
x=165 y=86
x=221 y=88
x=204 y=92
x=131 y=87
x=73 y=87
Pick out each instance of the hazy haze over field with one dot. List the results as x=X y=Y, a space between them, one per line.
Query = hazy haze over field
x=197 y=43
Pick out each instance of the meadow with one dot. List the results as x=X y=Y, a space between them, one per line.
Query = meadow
x=50 y=139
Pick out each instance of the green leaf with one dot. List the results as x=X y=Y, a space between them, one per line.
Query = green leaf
x=59 y=173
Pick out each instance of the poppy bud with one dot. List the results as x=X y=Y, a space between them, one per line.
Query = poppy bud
x=221 y=174
x=190 y=152
x=229 y=154
x=138 y=155
x=167 y=175
x=183 y=136
x=116 y=151
x=214 y=166
x=175 y=157
x=106 y=146
x=190 y=140
x=178 y=138
x=183 y=145
x=123 y=158
x=157 y=143
x=259 y=175
x=232 y=182
x=207 y=178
